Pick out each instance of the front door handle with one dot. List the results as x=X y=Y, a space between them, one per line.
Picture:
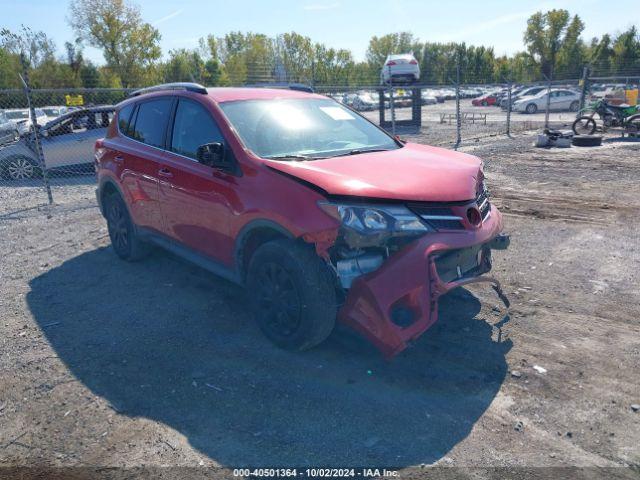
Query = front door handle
x=165 y=172
x=118 y=159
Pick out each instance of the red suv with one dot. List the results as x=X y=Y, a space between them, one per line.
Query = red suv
x=322 y=215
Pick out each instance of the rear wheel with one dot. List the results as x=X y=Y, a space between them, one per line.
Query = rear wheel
x=575 y=106
x=531 y=108
x=485 y=103
x=584 y=126
x=122 y=232
x=292 y=294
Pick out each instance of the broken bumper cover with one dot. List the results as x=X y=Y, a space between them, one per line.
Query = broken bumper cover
x=398 y=302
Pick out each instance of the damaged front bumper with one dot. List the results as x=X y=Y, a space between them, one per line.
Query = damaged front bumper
x=396 y=303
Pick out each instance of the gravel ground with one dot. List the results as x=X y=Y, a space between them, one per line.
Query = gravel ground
x=157 y=364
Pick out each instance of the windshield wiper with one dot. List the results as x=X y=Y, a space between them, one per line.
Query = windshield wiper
x=299 y=158
x=358 y=151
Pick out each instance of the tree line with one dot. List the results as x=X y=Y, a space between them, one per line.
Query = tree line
x=132 y=55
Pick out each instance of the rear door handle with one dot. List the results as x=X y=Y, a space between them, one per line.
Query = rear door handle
x=165 y=172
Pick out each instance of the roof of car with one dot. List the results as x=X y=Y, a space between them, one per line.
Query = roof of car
x=230 y=94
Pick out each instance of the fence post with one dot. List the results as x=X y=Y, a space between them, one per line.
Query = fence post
x=585 y=89
x=392 y=103
x=510 y=88
x=546 y=112
x=34 y=126
x=458 y=119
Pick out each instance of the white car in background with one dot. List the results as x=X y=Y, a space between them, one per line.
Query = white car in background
x=560 y=99
x=402 y=68
x=22 y=120
x=54 y=111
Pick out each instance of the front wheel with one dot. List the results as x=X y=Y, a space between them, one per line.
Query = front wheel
x=584 y=126
x=531 y=108
x=292 y=293
x=575 y=106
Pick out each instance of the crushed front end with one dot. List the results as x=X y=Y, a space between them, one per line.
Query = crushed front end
x=392 y=277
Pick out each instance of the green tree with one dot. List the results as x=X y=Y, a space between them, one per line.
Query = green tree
x=573 y=52
x=547 y=34
x=296 y=53
x=130 y=46
x=626 y=53
x=35 y=46
x=89 y=75
x=600 y=55
x=402 y=42
x=184 y=66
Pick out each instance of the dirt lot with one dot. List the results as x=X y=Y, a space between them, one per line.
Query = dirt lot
x=109 y=364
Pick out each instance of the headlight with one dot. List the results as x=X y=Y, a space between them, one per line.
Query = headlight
x=371 y=219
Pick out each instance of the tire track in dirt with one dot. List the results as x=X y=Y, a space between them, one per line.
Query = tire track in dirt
x=558 y=208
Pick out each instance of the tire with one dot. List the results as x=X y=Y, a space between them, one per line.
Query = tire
x=584 y=126
x=575 y=106
x=531 y=108
x=587 y=141
x=20 y=168
x=122 y=232
x=293 y=294
x=485 y=103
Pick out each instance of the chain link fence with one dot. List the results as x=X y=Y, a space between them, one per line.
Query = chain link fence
x=47 y=136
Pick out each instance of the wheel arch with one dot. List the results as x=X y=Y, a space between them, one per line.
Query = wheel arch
x=107 y=187
x=252 y=235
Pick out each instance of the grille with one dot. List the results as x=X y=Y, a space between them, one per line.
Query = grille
x=440 y=218
x=483 y=202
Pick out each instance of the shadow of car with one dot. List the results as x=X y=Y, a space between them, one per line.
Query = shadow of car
x=67 y=144
x=175 y=345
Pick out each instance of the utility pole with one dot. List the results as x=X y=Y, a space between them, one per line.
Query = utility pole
x=34 y=126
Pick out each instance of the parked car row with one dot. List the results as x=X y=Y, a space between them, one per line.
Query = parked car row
x=532 y=99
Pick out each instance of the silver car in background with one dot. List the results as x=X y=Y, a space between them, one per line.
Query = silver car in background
x=560 y=99
x=402 y=68
x=66 y=141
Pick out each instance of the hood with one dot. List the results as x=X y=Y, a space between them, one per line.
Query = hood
x=415 y=172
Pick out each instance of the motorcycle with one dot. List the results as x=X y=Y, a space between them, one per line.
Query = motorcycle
x=624 y=116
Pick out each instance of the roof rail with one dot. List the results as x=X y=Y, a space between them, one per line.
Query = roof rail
x=188 y=86
x=291 y=86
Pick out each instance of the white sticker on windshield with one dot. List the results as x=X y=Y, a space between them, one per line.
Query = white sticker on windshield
x=337 y=113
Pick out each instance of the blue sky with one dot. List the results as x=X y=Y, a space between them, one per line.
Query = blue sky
x=337 y=23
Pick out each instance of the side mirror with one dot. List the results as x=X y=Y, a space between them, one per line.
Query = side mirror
x=212 y=155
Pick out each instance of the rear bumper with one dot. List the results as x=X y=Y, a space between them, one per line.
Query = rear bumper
x=395 y=304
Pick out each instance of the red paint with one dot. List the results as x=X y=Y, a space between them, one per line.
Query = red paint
x=206 y=209
x=415 y=172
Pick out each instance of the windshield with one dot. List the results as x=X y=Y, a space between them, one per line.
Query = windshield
x=303 y=128
x=17 y=114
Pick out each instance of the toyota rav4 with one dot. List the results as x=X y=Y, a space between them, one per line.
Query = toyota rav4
x=322 y=215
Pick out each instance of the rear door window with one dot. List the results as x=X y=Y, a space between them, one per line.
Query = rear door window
x=151 y=122
x=124 y=115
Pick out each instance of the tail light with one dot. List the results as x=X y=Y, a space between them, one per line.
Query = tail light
x=413 y=62
x=390 y=63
